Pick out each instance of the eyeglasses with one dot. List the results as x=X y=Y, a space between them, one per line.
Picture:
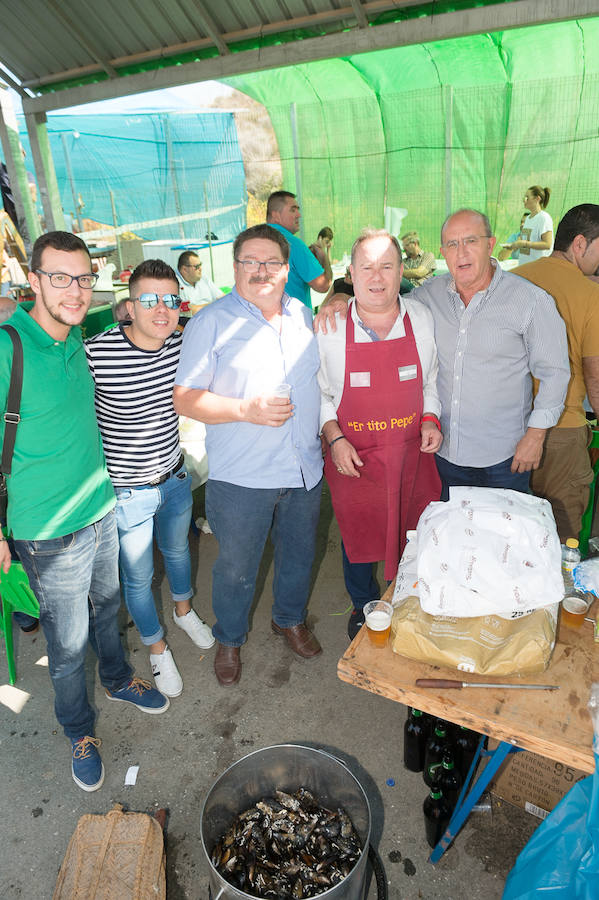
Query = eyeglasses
x=149 y=301
x=197 y=266
x=62 y=280
x=471 y=241
x=251 y=266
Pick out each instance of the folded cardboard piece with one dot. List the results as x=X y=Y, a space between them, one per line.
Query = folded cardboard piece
x=533 y=782
x=485 y=645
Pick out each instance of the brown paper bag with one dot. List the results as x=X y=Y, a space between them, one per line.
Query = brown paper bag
x=486 y=645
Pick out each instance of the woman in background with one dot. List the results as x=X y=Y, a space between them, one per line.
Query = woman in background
x=537 y=234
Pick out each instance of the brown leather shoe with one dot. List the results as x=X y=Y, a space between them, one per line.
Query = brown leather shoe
x=300 y=639
x=227 y=665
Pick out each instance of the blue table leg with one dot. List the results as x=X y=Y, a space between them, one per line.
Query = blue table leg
x=467 y=800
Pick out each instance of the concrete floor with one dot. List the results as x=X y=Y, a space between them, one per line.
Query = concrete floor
x=181 y=753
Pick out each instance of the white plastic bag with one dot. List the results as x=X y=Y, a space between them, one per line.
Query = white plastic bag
x=192 y=437
x=488 y=551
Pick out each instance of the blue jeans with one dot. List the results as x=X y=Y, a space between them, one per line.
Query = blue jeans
x=76 y=581
x=360 y=582
x=142 y=511
x=497 y=476
x=241 y=519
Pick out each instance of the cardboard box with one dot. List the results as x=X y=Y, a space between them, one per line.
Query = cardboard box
x=533 y=782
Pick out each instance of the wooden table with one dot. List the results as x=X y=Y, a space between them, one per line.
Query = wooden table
x=555 y=724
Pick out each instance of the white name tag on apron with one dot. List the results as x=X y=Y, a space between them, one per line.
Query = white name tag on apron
x=359 y=379
x=406 y=373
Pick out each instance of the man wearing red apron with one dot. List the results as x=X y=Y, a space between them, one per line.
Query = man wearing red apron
x=379 y=416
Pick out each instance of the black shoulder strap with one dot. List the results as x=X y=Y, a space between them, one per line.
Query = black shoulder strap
x=13 y=403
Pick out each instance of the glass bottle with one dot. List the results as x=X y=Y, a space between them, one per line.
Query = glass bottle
x=436 y=746
x=465 y=744
x=448 y=780
x=436 y=816
x=414 y=741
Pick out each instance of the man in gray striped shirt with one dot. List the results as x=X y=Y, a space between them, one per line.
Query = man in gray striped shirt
x=494 y=333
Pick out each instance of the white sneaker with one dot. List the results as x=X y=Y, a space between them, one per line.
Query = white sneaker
x=198 y=631
x=166 y=674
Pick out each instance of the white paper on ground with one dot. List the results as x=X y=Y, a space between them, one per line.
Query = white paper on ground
x=131 y=776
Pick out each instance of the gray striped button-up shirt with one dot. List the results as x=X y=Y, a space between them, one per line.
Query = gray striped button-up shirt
x=487 y=353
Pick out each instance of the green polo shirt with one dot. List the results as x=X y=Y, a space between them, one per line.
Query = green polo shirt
x=59 y=482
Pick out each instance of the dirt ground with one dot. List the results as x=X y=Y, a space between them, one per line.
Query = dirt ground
x=280 y=699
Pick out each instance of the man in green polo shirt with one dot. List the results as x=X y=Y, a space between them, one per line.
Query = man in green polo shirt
x=61 y=501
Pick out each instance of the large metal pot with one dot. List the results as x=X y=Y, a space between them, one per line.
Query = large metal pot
x=285 y=767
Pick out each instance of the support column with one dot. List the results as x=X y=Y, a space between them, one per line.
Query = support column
x=29 y=225
x=45 y=171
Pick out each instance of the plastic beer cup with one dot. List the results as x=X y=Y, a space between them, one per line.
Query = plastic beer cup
x=377 y=615
x=574 y=609
x=282 y=390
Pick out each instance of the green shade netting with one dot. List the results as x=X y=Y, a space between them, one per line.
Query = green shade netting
x=472 y=121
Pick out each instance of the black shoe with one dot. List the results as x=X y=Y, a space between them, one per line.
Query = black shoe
x=354 y=623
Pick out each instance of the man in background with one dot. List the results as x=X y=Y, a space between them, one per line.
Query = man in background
x=305 y=271
x=195 y=289
x=565 y=472
x=323 y=243
x=418 y=264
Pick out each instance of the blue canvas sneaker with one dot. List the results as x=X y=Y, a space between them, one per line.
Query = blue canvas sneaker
x=86 y=765
x=141 y=694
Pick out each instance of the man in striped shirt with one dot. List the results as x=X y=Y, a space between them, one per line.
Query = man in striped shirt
x=133 y=367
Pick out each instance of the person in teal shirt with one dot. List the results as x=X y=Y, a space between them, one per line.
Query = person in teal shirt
x=305 y=269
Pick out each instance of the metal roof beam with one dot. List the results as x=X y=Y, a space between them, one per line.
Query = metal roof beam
x=4 y=76
x=479 y=20
x=59 y=13
x=211 y=29
x=361 y=17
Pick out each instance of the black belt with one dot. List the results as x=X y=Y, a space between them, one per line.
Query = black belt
x=167 y=475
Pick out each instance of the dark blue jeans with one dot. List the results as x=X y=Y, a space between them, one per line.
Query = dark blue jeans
x=497 y=476
x=360 y=582
x=76 y=581
x=241 y=519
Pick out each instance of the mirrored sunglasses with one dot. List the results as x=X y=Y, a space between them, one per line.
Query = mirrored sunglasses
x=149 y=301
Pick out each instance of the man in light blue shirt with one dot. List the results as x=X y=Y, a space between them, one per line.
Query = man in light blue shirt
x=305 y=269
x=262 y=441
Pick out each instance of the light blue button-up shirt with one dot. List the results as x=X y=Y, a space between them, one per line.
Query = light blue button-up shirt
x=488 y=351
x=229 y=348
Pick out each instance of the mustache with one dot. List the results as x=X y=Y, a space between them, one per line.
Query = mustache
x=259 y=279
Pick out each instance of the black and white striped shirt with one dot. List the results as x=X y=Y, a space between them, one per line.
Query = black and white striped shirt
x=134 y=405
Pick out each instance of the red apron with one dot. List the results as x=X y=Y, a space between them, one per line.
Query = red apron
x=380 y=414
